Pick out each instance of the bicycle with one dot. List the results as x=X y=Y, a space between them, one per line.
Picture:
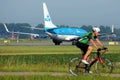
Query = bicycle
x=101 y=64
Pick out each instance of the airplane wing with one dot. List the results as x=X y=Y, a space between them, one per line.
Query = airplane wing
x=35 y=35
x=107 y=34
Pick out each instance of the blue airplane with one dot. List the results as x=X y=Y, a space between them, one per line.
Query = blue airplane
x=58 y=35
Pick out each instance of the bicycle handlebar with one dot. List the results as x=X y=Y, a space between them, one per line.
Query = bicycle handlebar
x=103 y=50
x=100 y=49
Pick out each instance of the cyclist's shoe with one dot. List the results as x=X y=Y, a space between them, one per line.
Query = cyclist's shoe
x=85 y=62
x=90 y=72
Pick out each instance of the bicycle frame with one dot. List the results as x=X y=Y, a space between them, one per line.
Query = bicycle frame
x=98 y=58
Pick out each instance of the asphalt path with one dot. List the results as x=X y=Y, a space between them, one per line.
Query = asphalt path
x=50 y=73
x=40 y=43
x=35 y=44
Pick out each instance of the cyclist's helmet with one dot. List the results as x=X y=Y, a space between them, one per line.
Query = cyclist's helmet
x=97 y=29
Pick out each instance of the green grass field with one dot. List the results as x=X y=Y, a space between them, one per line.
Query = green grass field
x=47 y=59
x=23 y=50
x=48 y=77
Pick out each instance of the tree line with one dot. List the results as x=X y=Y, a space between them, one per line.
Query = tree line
x=26 y=27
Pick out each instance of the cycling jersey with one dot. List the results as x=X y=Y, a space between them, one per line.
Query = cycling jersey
x=86 y=38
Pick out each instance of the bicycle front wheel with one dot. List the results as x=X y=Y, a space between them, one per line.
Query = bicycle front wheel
x=76 y=66
x=106 y=67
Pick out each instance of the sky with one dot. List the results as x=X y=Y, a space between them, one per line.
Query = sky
x=62 y=12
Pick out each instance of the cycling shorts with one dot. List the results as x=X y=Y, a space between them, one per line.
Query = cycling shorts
x=83 y=47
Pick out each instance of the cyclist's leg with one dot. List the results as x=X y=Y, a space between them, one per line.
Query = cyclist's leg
x=85 y=65
x=86 y=49
x=88 y=52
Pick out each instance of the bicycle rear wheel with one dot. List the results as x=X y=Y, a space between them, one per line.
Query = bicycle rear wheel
x=76 y=66
x=106 y=67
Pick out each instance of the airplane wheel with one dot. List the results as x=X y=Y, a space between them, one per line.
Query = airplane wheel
x=74 y=42
x=57 y=42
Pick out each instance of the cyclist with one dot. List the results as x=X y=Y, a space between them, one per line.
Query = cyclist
x=83 y=43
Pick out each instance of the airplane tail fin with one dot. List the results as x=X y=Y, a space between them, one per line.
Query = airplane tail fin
x=47 y=19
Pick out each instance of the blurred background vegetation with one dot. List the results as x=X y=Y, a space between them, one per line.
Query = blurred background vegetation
x=26 y=27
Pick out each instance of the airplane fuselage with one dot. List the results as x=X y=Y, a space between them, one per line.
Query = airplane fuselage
x=65 y=34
